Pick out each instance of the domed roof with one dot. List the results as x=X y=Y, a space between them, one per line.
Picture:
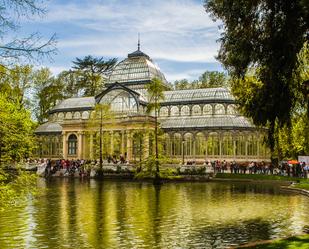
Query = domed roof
x=137 y=68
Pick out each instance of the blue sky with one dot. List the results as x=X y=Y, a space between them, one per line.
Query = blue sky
x=177 y=34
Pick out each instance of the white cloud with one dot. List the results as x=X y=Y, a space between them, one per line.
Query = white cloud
x=174 y=30
x=188 y=74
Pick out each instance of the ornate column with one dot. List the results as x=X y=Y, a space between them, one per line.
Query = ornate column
x=122 y=142
x=193 y=144
x=258 y=148
x=80 y=145
x=91 y=146
x=112 y=143
x=64 y=145
x=129 y=145
x=146 y=145
x=234 y=147
x=206 y=144
x=220 y=145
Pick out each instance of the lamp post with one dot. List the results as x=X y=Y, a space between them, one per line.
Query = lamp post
x=183 y=152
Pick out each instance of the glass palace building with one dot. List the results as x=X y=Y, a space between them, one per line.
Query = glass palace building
x=199 y=124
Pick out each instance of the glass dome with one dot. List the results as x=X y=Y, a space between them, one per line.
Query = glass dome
x=138 y=67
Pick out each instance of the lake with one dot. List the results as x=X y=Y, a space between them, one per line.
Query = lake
x=71 y=213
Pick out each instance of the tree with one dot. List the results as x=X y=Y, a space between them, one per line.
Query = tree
x=16 y=131
x=211 y=79
x=182 y=84
x=48 y=91
x=91 y=73
x=155 y=91
x=101 y=118
x=29 y=48
x=267 y=36
x=208 y=79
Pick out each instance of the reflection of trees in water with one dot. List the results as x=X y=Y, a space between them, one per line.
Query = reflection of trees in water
x=156 y=219
x=230 y=234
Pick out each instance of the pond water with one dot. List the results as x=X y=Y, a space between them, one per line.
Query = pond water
x=110 y=214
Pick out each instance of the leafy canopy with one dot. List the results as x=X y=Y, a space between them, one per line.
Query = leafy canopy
x=267 y=36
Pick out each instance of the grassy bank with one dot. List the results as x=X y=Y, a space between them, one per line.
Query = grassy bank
x=261 y=177
x=302 y=185
x=296 y=242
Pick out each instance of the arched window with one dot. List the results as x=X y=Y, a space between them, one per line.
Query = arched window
x=85 y=115
x=68 y=115
x=174 y=111
x=120 y=101
x=188 y=148
x=185 y=111
x=227 y=144
x=219 y=109
x=76 y=115
x=213 y=144
x=231 y=109
x=61 y=116
x=163 y=112
x=72 y=144
x=176 y=144
x=240 y=144
x=207 y=109
x=200 y=144
x=196 y=110
x=252 y=145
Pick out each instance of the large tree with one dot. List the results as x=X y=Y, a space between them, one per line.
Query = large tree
x=14 y=48
x=211 y=79
x=208 y=79
x=267 y=36
x=155 y=90
x=92 y=72
x=16 y=131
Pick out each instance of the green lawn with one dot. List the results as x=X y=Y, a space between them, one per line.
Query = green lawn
x=297 y=242
x=260 y=177
x=302 y=185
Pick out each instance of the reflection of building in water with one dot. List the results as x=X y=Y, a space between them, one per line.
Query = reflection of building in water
x=199 y=123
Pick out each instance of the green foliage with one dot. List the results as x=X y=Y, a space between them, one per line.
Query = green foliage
x=259 y=177
x=155 y=91
x=208 y=79
x=16 y=187
x=267 y=35
x=91 y=72
x=295 y=242
x=16 y=131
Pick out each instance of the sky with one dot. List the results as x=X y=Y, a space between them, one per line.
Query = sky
x=178 y=35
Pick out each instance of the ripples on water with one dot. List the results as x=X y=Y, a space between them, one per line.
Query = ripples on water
x=90 y=214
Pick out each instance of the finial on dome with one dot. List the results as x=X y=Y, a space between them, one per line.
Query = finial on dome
x=138 y=42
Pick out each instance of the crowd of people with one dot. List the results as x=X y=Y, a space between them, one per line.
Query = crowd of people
x=83 y=167
x=299 y=169
x=71 y=167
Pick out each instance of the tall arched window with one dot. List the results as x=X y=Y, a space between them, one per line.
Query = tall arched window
x=188 y=144
x=240 y=144
x=72 y=144
x=213 y=145
x=200 y=144
x=176 y=144
x=227 y=144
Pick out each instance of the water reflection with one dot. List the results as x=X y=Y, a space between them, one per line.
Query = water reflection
x=91 y=214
